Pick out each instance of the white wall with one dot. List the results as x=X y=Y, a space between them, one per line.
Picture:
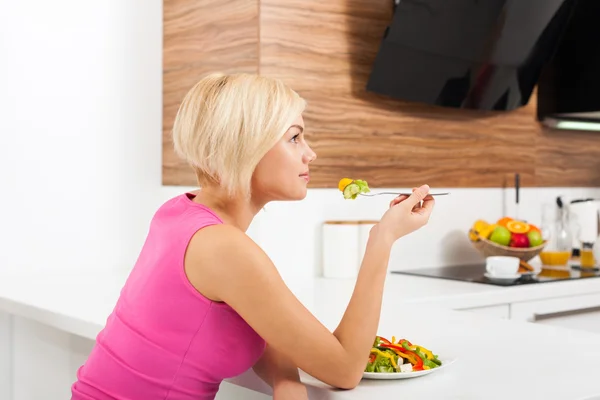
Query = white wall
x=80 y=121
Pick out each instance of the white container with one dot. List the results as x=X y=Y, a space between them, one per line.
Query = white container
x=364 y=227
x=340 y=254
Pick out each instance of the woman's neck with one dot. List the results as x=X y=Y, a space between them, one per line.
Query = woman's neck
x=238 y=212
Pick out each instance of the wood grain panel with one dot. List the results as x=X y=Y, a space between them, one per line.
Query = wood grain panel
x=325 y=51
x=201 y=36
x=567 y=159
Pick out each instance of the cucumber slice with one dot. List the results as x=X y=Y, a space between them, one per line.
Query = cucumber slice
x=351 y=191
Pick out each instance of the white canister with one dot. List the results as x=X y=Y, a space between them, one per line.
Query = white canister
x=340 y=243
x=364 y=228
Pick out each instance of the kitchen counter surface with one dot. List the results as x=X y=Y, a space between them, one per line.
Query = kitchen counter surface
x=496 y=359
x=455 y=294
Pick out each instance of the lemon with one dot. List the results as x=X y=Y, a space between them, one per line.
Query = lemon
x=343 y=183
x=487 y=231
x=480 y=225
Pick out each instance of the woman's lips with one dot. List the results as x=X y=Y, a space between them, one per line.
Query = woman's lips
x=306 y=177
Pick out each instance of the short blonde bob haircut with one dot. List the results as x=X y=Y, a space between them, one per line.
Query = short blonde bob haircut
x=228 y=122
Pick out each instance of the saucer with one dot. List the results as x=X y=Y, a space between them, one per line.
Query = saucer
x=502 y=278
x=531 y=273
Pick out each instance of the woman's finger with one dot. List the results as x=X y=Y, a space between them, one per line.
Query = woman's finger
x=428 y=203
x=398 y=200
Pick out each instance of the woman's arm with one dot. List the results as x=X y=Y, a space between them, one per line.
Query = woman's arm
x=281 y=374
x=224 y=264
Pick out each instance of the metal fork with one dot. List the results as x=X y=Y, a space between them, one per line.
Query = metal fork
x=401 y=194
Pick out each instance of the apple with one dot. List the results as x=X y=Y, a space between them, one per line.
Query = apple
x=535 y=238
x=519 y=240
x=501 y=235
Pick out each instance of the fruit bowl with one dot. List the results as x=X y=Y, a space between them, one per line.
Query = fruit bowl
x=488 y=248
x=507 y=237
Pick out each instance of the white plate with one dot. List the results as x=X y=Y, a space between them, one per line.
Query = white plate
x=407 y=375
x=502 y=279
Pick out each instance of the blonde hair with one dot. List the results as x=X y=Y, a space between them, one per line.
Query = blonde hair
x=228 y=122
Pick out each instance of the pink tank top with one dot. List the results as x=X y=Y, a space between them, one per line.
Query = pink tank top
x=164 y=340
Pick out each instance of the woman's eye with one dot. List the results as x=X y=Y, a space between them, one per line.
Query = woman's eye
x=295 y=138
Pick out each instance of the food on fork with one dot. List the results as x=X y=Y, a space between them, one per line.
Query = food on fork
x=351 y=188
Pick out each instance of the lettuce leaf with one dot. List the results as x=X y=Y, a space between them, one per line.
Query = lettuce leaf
x=380 y=364
x=362 y=185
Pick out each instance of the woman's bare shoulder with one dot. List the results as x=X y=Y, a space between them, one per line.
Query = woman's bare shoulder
x=218 y=251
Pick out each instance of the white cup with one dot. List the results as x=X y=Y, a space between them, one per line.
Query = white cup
x=502 y=265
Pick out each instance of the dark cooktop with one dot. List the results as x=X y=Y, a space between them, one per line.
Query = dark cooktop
x=475 y=273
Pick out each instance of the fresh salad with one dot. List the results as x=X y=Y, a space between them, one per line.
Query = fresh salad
x=401 y=356
x=353 y=187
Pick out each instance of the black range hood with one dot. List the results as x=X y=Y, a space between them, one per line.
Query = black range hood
x=569 y=86
x=491 y=55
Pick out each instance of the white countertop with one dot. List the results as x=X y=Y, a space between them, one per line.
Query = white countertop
x=455 y=294
x=497 y=359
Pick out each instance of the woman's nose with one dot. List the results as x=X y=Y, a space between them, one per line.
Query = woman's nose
x=310 y=155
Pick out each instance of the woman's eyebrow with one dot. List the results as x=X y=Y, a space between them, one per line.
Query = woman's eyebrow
x=297 y=126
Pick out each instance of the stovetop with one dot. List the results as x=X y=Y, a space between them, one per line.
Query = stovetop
x=475 y=273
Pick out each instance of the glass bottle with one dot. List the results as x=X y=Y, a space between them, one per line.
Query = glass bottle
x=557 y=233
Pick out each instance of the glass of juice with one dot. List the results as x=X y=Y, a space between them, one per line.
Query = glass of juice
x=587 y=255
x=558 y=236
x=555 y=257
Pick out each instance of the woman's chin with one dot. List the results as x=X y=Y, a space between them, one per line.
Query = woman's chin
x=299 y=195
x=296 y=197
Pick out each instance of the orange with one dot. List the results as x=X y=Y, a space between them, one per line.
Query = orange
x=517 y=226
x=343 y=183
x=532 y=227
x=504 y=221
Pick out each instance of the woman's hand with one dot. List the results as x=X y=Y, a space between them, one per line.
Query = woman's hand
x=406 y=214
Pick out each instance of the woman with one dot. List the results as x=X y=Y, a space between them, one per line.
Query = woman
x=204 y=302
